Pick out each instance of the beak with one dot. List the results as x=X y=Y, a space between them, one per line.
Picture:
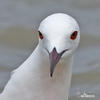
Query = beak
x=54 y=59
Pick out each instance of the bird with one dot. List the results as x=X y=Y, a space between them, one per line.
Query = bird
x=46 y=73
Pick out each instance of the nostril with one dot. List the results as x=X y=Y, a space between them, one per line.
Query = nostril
x=47 y=50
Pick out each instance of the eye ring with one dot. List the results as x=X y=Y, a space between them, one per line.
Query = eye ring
x=74 y=35
x=40 y=35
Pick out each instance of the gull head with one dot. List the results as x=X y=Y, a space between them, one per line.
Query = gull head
x=59 y=36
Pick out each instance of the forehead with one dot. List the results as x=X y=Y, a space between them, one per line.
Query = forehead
x=58 y=24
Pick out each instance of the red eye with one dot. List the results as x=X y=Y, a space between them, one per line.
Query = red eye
x=40 y=35
x=74 y=35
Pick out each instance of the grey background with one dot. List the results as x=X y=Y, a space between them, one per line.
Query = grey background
x=19 y=20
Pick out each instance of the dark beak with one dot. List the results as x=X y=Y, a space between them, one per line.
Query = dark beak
x=54 y=59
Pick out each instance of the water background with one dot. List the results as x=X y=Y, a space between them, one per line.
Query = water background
x=19 y=20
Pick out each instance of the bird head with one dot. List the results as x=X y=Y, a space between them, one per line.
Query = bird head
x=59 y=35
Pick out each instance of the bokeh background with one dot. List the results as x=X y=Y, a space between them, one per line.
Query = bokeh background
x=19 y=21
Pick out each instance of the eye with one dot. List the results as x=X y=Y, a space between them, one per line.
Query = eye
x=74 y=35
x=40 y=35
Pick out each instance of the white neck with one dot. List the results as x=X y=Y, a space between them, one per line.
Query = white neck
x=31 y=81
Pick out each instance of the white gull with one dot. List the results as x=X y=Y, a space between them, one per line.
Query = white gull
x=46 y=74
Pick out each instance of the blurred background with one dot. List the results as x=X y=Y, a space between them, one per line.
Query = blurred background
x=19 y=21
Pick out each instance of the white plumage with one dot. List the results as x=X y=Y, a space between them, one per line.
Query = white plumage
x=32 y=80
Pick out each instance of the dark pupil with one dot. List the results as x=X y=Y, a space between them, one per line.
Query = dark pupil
x=40 y=34
x=73 y=34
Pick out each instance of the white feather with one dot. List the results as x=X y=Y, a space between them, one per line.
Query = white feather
x=31 y=81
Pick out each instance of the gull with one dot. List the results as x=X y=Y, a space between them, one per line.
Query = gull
x=46 y=74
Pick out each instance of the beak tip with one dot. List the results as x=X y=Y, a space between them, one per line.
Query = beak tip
x=51 y=74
